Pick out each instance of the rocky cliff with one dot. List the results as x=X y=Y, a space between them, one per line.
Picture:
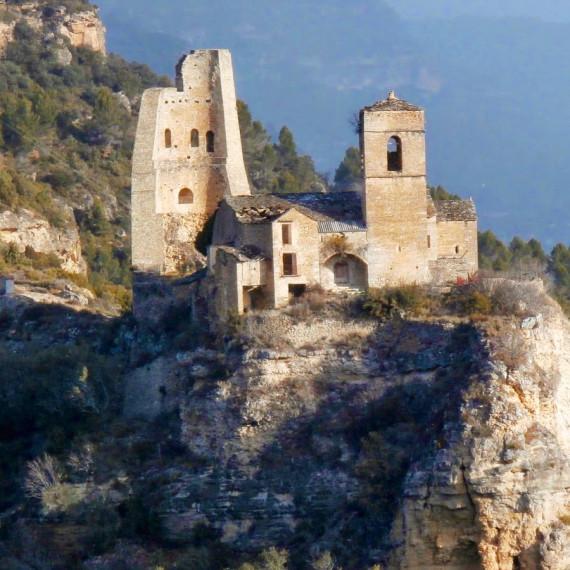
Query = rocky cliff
x=26 y=229
x=496 y=495
x=413 y=444
x=83 y=28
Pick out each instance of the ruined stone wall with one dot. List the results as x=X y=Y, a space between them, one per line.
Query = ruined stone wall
x=305 y=246
x=227 y=297
x=395 y=204
x=187 y=157
x=260 y=235
x=433 y=238
x=226 y=229
x=147 y=227
x=457 y=240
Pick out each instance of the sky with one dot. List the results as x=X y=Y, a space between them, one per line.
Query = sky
x=547 y=10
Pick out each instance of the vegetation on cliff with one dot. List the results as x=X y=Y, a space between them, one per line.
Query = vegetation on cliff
x=66 y=137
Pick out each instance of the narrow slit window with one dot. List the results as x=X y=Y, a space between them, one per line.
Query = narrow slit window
x=194 y=138
x=289 y=264
x=394 y=154
x=167 y=138
x=429 y=241
x=286 y=236
x=456 y=249
x=210 y=141
x=185 y=196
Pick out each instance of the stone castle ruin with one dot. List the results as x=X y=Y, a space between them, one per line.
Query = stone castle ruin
x=187 y=158
x=188 y=164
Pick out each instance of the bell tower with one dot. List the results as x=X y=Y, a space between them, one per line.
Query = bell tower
x=392 y=143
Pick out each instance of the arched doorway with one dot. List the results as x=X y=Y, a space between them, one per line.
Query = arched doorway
x=344 y=270
x=341 y=273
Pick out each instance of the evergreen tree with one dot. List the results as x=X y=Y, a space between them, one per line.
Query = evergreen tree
x=349 y=171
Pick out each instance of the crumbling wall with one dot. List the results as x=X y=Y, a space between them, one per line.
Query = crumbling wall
x=305 y=248
x=187 y=157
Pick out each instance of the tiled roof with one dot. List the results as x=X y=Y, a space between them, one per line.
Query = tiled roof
x=392 y=103
x=338 y=206
x=260 y=209
x=455 y=210
x=333 y=226
x=244 y=253
x=319 y=206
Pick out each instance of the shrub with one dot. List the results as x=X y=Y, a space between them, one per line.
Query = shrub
x=476 y=303
x=384 y=303
x=315 y=297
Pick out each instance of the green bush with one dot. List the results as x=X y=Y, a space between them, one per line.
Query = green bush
x=385 y=303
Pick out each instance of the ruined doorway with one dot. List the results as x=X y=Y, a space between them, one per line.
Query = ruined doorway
x=297 y=290
x=341 y=273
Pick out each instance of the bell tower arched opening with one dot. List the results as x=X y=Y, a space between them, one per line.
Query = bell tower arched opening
x=194 y=138
x=394 y=154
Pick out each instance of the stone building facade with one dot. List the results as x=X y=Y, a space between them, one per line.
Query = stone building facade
x=268 y=248
x=187 y=157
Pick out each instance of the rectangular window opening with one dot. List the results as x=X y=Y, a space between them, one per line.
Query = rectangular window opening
x=289 y=264
x=429 y=241
x=286 y=237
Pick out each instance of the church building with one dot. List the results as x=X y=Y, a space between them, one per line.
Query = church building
x=267 y=248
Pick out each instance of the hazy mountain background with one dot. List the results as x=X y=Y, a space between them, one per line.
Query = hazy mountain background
x=493 y=79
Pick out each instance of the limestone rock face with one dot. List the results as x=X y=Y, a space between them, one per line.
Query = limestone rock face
x=496 y=495
x=276 y=433
x=28 y=229
x=82 y=29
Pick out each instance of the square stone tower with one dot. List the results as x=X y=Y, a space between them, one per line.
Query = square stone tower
x=392 y=143
x=187 y=157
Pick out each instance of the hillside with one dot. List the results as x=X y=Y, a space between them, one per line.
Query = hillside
x=331 y=432
x=67 y=128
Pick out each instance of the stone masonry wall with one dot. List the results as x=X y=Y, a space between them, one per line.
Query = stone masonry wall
x=397 y=231
x=168 y=160
x=458 y=240
x=395 y=204
x=304 y=246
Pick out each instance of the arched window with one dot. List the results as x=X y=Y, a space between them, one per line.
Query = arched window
x=341 y=273
x=185 y=196
x=194 y=138
x=210 y=141
x=167 y=138
x=394 y=154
